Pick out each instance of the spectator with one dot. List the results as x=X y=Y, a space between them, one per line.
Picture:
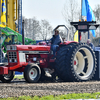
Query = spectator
x=90 y=44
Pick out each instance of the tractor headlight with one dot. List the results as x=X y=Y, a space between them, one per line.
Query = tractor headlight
x=15 y=60
x=34 y=59
x=10 y=60
x=10 y=47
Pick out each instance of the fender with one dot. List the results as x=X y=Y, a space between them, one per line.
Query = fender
x=68 y=42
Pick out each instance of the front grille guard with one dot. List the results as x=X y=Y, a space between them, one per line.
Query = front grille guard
x=12 y=57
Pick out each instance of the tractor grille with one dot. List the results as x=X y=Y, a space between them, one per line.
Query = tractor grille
x=12 y=57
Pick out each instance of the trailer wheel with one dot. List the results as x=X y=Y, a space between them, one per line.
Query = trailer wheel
x=7 y=78
x=32 y=73
x=77 y=63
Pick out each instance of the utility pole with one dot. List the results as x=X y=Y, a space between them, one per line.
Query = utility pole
x=20 y=16
x=23 y=39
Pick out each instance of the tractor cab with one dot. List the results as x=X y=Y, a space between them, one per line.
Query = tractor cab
x=63 y=32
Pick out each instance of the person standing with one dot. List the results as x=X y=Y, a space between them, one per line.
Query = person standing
x=90 y=44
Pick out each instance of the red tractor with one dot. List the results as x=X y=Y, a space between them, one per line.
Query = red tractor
x=74 y=61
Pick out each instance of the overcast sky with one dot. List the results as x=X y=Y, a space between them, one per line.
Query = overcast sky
x=50 y=10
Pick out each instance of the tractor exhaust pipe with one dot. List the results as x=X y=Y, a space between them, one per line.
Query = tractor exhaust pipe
x=23 y=39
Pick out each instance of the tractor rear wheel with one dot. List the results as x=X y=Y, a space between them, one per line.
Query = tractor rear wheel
x=32 y=73
x=75 y=63
x=7 y=78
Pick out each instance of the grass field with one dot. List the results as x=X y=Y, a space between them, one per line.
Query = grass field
x=60 y=97
x=19 y=76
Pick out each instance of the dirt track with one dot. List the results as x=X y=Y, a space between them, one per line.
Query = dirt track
x=20 y=87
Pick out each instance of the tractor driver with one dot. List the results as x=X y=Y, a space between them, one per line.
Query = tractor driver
x=55 y=41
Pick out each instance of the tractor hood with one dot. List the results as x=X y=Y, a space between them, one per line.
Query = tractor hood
x=28 y=47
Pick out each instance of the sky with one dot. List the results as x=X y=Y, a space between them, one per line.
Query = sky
x=51 y=10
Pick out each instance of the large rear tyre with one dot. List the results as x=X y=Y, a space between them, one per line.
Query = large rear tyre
x=32 y=73
x=7 y=78
x=76 y=63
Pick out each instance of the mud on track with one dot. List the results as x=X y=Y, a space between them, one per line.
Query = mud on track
x=19 y=87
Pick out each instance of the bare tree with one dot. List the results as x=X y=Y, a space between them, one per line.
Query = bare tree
x=25 y=27
x=71 y=13
x=35 y=28
x=46 y=30
x=97 y=16
x=31 y=28
x=38 y=30
x=97 y=12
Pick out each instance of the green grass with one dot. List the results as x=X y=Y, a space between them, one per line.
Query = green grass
x=60 y=97
x=18 y=76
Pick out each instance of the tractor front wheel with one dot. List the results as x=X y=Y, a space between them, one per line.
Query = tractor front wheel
x=7 y=78
x=32 y=73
